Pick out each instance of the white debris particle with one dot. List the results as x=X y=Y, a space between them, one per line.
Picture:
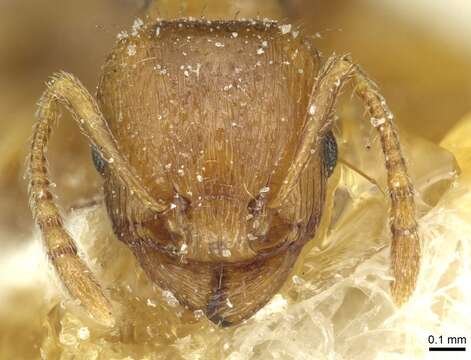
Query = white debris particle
x=131 y=50
x=110 y=160
x=228 y=302
x=377 y=122
x=265 y=189
x=199 y=314
x=181 y=172
x=196 y=71
x=297 y=280
x=186 y=73
x=184 y=248
x=157 y=31
x=83 y=333
x=295 y=34
x=41 y=194
x=151 y=303
x=312 y=109
x=260 y=51
x=122 y=35
x=251 y=237
x=234 y=35
x=285 y=28
x=170 y=298
x=173 y=206
x=168 y=166
x=199 y=178
x=264 y=44
x=301 y=71
x=219 y=45
x=226 y=253
x=227 y=87
x=136 y=26
x=137 y=23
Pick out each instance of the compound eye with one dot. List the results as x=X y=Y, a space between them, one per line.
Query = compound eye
x=98 y=160
x=330 y=153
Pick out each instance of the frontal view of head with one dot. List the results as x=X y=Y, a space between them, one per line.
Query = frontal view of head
x=215 y=143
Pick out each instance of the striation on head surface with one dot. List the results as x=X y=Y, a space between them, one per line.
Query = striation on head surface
x=211 y=112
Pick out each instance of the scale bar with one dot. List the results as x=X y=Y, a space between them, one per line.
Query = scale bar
x=446 y=349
